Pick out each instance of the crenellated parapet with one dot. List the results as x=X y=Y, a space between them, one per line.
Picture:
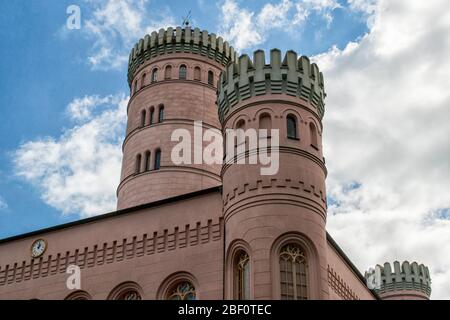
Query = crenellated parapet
x=178 y=40
x=292 y=76
x=404 y=277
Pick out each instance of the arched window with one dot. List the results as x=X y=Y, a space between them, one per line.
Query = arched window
x=183 y=290
x=182 y=72
x=242 y=276
x=291 y=124
x=197 y=74
x=78 y=295
x=265 y=122
x=130 y=295
x=168 y=72
x=143 y=80
x=135 y=86
x=210 y=78
x=147 y=161
x=157 y=160
x=143 y=116
x=152 y=111
x=240 y=134
x=293 y=273
x=313 y=135
x=138 y=164
x=155 y=75
x=161 y=113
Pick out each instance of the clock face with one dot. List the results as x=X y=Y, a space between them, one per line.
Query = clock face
x=38 y=248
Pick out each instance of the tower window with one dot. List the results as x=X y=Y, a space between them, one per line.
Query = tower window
x=157 y=159
x=168 y=72
x=143 y=80
x=138 y=164
x=182 y=72
x=155 y=75
x=242 y=276
x=210 y=78
x=143 y=116
x=161 y=113
x=197 y=74
x=313 y=135
x=147 y=161
x=265 y=122
x=152 y=111
x=291 y=124
x=293 y=273
x=135 y=86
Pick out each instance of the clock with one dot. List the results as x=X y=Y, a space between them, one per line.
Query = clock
x=38 y=248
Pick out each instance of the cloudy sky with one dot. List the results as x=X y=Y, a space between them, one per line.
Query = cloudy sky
x=387 y=121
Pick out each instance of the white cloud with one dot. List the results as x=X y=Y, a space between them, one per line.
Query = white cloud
x=78 y=172
x=3 y=204
x=115 y=25
x=245 y=28
x=387 y=138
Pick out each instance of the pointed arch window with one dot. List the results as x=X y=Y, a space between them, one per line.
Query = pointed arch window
x=143 y=80
x=183 y=290
x=182 y=72
x=210 y=78
x=242 y=276
x=168 y=72
x=157 y=165
x=291 y=125
x=293 y=273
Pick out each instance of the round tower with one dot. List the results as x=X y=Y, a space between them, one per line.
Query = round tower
x=172 y=76
x=275 y=222
x=403 y=282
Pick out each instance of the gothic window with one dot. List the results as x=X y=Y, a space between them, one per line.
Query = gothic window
x=152 y=111
x=147 y=161
x=293 y=273
x=155 y=75
x=130 y=295
x=168 y=72
x=161 y=113
x=138 y=164
x=197 y=74
x=242 y=276
x=183 y=290
x=210 y=78
x=143 y=116
x=313 y=134
x=291 y=123
x=182 y=72
x=157 y=159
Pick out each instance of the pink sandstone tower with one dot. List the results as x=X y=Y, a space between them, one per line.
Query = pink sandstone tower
x=172 y=76
x=266 y=215
x=404 y=282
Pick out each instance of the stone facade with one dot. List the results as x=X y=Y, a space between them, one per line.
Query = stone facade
x=203 y=231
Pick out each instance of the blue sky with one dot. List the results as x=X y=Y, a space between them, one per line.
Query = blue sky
x=385 y=62
x=44 y=67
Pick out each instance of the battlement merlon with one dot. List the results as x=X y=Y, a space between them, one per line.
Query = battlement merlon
x=177 y=40
x=293 y=76
x=405 y=276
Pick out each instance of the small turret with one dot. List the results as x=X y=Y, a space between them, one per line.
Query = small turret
x=403 y=282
